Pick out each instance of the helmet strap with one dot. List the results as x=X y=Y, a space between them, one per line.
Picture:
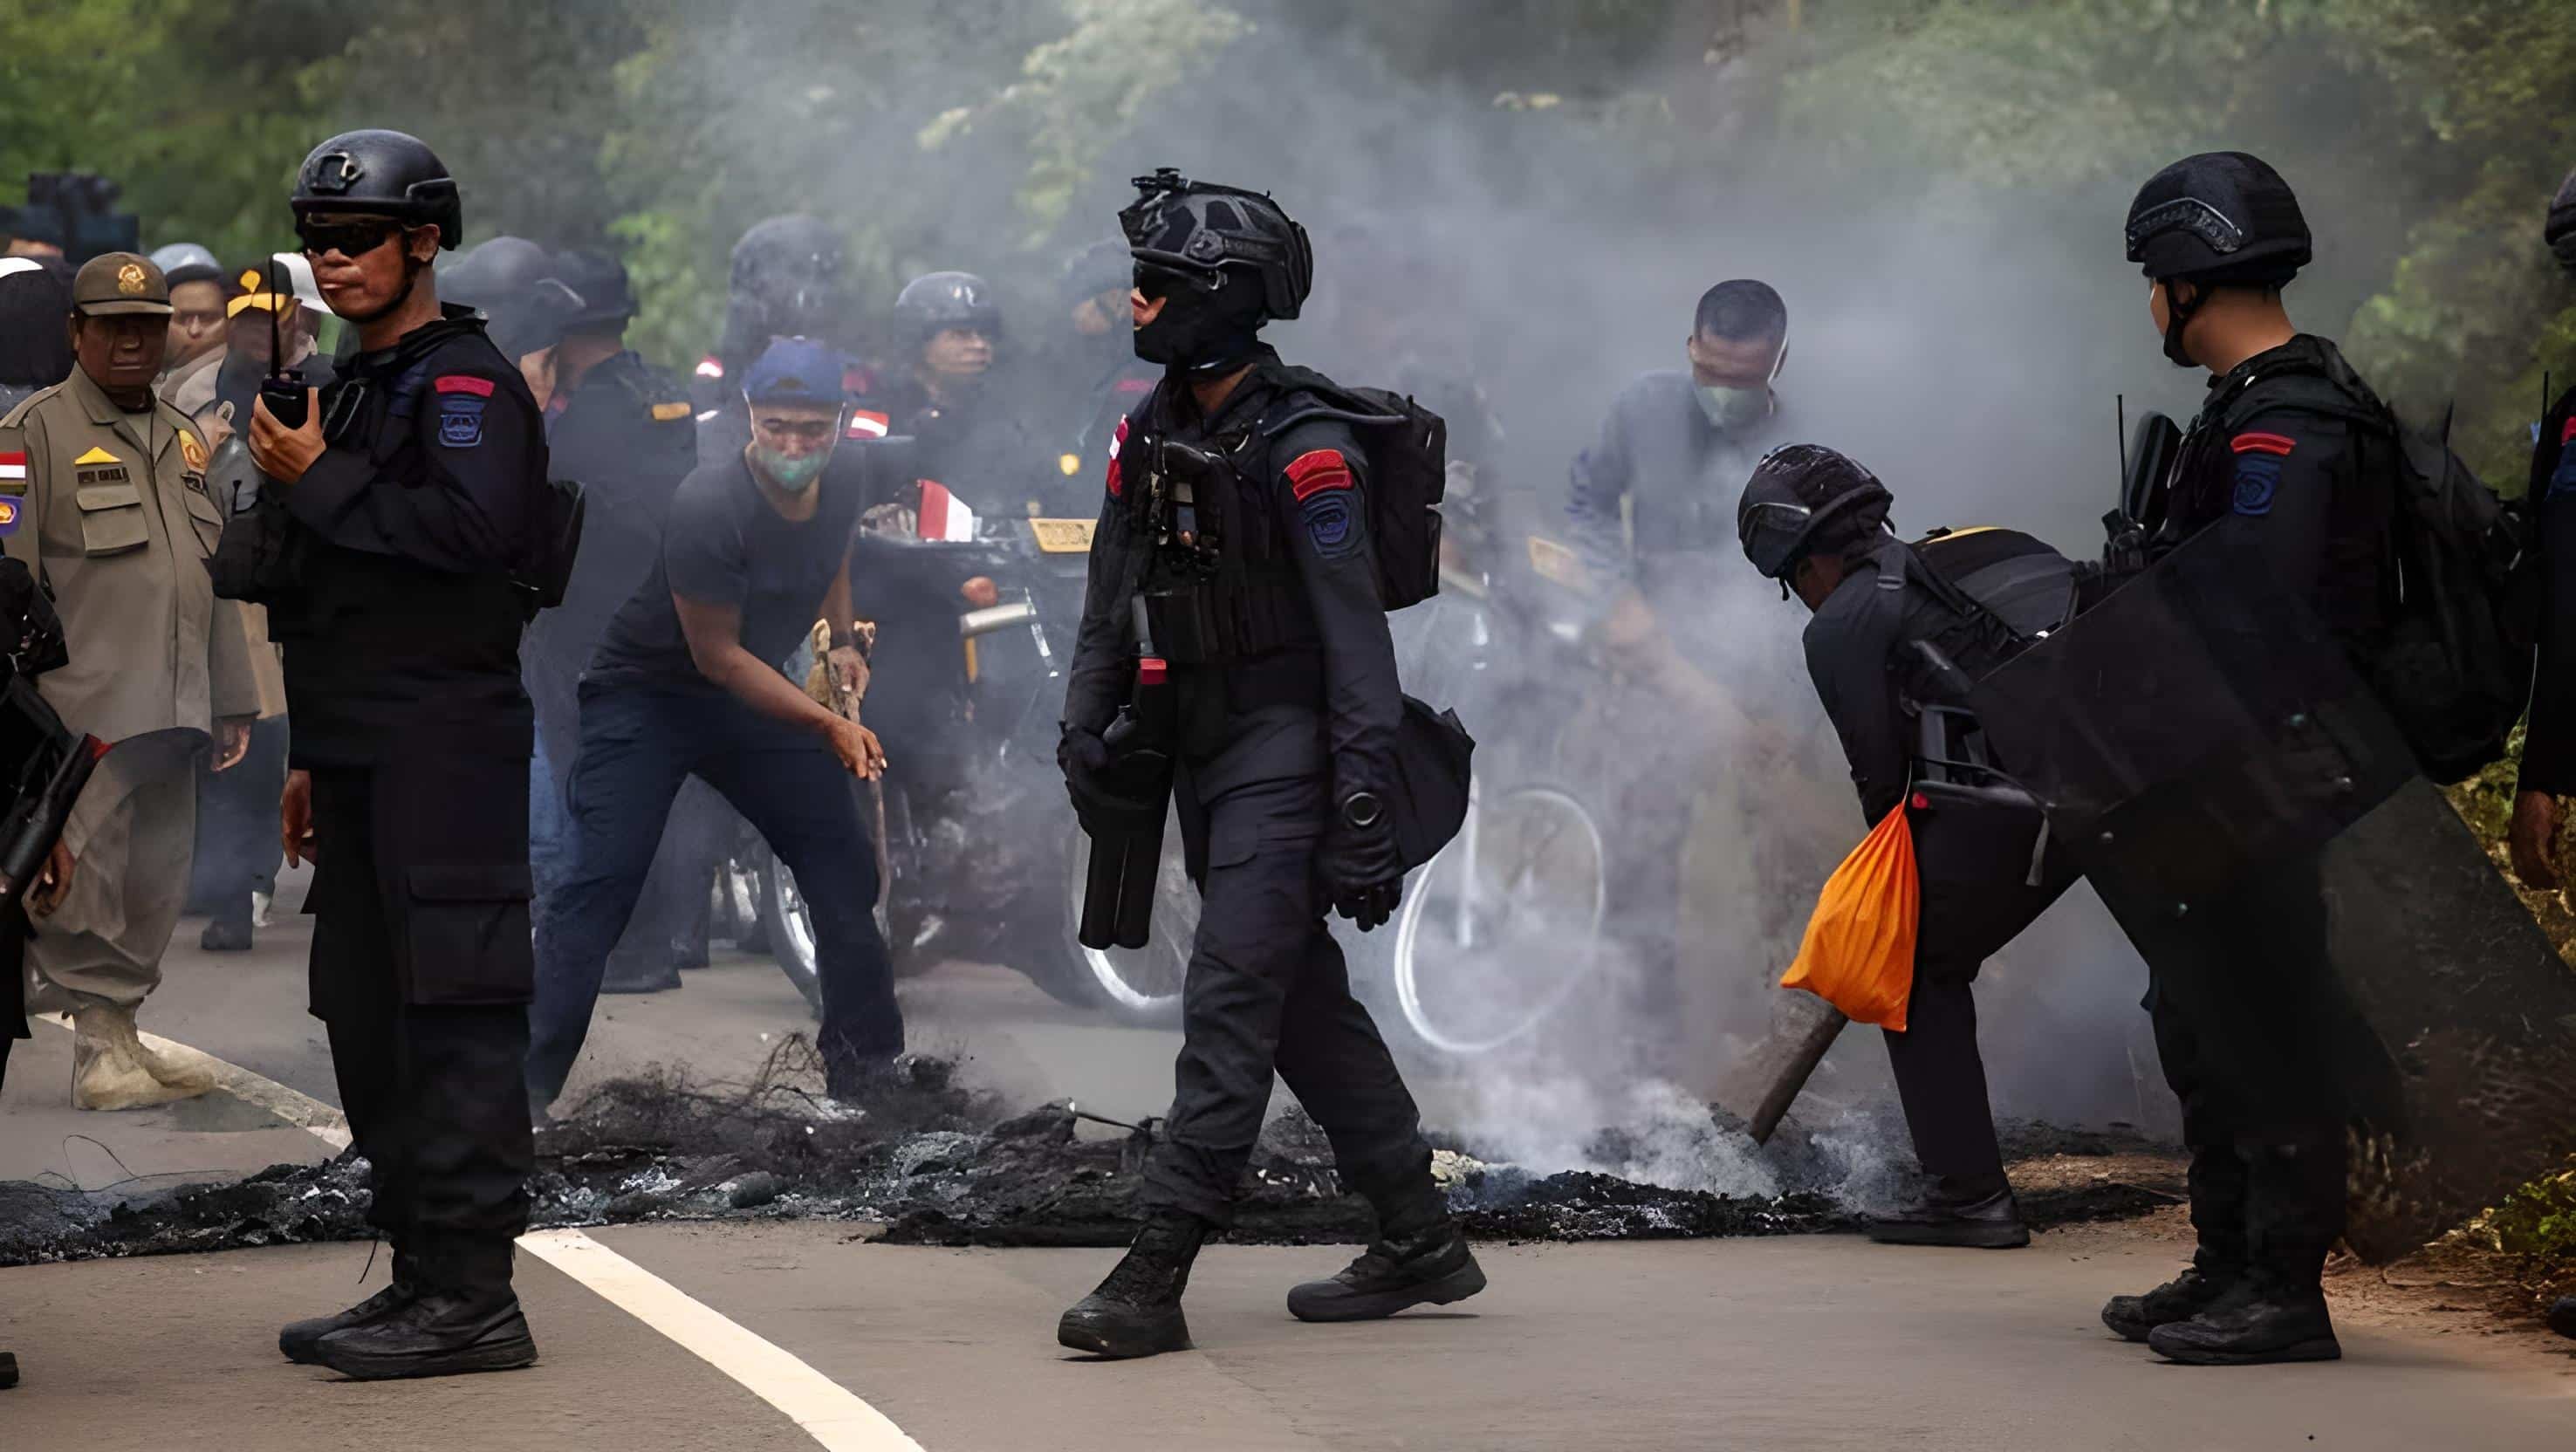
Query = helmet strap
x=2178 y=316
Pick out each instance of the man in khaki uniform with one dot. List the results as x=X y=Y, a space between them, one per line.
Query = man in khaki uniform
x=103 y=495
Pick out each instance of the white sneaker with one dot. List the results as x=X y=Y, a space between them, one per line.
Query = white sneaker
x=259 y=905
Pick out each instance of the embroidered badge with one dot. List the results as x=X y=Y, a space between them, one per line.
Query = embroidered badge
x=460 y=419
x=461 y=383
x=192 y=451
x=2258 y=476
x=1317 y=470
x=1331 y=523
x=8 y=516
x=97 y=456
x=129 y=279
x=1117 y=441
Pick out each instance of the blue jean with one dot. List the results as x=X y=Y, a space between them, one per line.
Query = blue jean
x=671 y=918
x=637 y=747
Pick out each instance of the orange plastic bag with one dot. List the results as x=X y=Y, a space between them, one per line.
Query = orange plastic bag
x=1859 y=950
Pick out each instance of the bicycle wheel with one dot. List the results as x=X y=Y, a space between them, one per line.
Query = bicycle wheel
x=1503 y=927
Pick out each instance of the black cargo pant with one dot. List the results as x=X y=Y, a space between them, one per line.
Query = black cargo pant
x=1974 y=867
x=421 y=974
x=2249 y=1018
x=1267 y=990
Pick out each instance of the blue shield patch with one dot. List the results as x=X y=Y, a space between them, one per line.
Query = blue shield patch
x=1330 y=523
x=2257 y=477
x=2564 y=481
x=460 y=420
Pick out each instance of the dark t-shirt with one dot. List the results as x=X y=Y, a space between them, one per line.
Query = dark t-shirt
x=725 y=545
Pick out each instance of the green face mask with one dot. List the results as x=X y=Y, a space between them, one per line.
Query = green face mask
x=1735 y=409
x=794 y=475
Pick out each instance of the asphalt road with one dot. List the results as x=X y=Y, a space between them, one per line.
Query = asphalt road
x=1790 y=1343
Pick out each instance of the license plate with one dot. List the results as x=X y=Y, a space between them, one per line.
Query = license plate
x=1555 y=562
x=1063 y=536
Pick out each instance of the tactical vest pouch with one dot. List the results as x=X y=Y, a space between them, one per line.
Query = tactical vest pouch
x=561 y=505
x=260 y=558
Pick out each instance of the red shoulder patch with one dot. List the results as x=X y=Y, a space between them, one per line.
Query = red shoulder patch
x=1117 y=443
x=462 y=383
x=2567 y=435
x=2264 y=444
x=1316 y=470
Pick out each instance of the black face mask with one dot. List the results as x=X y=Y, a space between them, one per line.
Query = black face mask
x=1200 y=331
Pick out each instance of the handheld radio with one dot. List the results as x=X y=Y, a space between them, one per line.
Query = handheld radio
x=283 y=389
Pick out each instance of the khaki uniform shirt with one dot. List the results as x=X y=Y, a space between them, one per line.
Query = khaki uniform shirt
x=190 y=387
x=111 y=511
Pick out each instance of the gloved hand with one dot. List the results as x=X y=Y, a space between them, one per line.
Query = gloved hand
x=1112 y=793
x=1363 y=871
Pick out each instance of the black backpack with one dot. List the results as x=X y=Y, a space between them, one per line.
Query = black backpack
x=1408 y=457
x=2454 y=668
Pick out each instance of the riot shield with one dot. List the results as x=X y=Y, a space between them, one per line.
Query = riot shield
x=2198 y=720
x=2476 y=1013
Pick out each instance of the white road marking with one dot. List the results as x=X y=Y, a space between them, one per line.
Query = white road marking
x=828 y=1411
x=831 y=1414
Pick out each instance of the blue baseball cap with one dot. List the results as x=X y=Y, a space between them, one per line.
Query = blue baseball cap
x=796 y=370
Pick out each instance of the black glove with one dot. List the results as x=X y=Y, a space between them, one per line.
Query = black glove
x=31 y=634
x=1363 y=871
x=1113 y=793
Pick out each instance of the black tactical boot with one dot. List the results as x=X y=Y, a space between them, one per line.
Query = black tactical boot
x=463 y=1317
x=1430 y=1267
x=299 y=1338
x=2260 y=1321
x=8 y=1369
x=1982 y=1216
x=230 y=932
x=2198 y=1288
x=2562 y=1316
x=1137 y=1311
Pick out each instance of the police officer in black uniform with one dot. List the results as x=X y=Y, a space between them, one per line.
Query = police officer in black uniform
x=953 y=402
x=2246 y=1005
x=624 y=429
x=787 y=282
x=1284 y=722
x=2549 y=738
x=417 y=529
x=1817 y=521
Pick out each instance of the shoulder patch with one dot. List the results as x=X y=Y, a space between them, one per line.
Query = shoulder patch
x=9 y=515
x=192 y=451
x=461 y=383
x=2258 y=477
x=2256 y=443
x=13 y=473
x=868 y=424
x=1117 y=444
x=98 y=455
x=460 y=413
x=1317 y=471
x=667 y=412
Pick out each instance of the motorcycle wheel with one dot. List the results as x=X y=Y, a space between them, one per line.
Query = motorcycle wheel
x=789 y=926
x=740 y=892
x=1503 y=927
x=1140 y=987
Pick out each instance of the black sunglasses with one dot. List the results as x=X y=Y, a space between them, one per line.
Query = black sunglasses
x=1156 y=280
x=350 y=239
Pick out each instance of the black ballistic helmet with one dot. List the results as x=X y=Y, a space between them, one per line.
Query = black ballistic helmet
x=380 y=174
x=2221 y=217
x=1802 y=498
x=1208 y=233
x=606 y=300
x=790 y=264
x=937 y=301
x=1098 y=268
x=493 y=274
x=2561 y=230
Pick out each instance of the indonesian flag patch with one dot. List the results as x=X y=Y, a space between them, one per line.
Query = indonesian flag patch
x=867 y=425
x=13 y=470
x=1117 y=444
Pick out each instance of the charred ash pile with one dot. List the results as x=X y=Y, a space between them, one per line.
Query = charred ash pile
x=935 y=1164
